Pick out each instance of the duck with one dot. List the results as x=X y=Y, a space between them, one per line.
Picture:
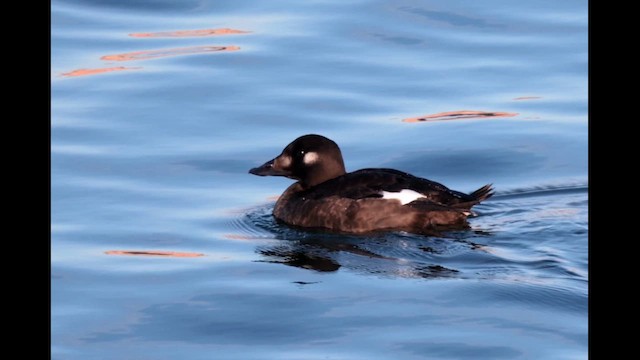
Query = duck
x=327 y=197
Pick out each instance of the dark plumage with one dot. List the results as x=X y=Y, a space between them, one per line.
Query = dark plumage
x=327 y=197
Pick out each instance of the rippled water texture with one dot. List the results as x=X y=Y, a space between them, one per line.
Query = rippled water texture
x=164 y=247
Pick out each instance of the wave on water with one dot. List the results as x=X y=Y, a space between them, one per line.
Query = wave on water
x=542 y=190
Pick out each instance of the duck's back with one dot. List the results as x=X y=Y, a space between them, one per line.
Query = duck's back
x=374 y=183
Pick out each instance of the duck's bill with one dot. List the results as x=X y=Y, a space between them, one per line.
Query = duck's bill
x=270 y=168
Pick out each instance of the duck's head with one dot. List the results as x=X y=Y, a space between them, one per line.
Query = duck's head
x=311 y=159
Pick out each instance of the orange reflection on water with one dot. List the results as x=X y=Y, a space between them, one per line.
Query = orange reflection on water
x=85 y=72
x=459 y=115
x=152 y=54
x=190 y=33
x=152 y=253
x=527 y=98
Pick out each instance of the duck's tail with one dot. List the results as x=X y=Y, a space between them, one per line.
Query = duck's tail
x=482 y=194
x=476 y=197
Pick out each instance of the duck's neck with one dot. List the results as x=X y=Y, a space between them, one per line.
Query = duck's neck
x=327 y=170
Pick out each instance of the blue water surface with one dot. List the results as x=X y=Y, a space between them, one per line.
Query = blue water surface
x=155 y=158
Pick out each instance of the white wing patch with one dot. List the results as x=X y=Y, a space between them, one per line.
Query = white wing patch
x=405 y=196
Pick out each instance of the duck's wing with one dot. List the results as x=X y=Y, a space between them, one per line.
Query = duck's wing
x=394 y=184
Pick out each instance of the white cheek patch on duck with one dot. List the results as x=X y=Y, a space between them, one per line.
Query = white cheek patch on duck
x=284 y=161
x=310 y=158
x=405 y=196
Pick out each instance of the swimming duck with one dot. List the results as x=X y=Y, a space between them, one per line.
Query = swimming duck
x=326 y=197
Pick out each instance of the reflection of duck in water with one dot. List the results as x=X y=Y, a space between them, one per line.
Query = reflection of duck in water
x=328 y=255
x=327 y=197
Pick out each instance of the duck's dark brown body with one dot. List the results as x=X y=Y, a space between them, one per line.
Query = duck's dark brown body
x=326 y=197
x=364 y=215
